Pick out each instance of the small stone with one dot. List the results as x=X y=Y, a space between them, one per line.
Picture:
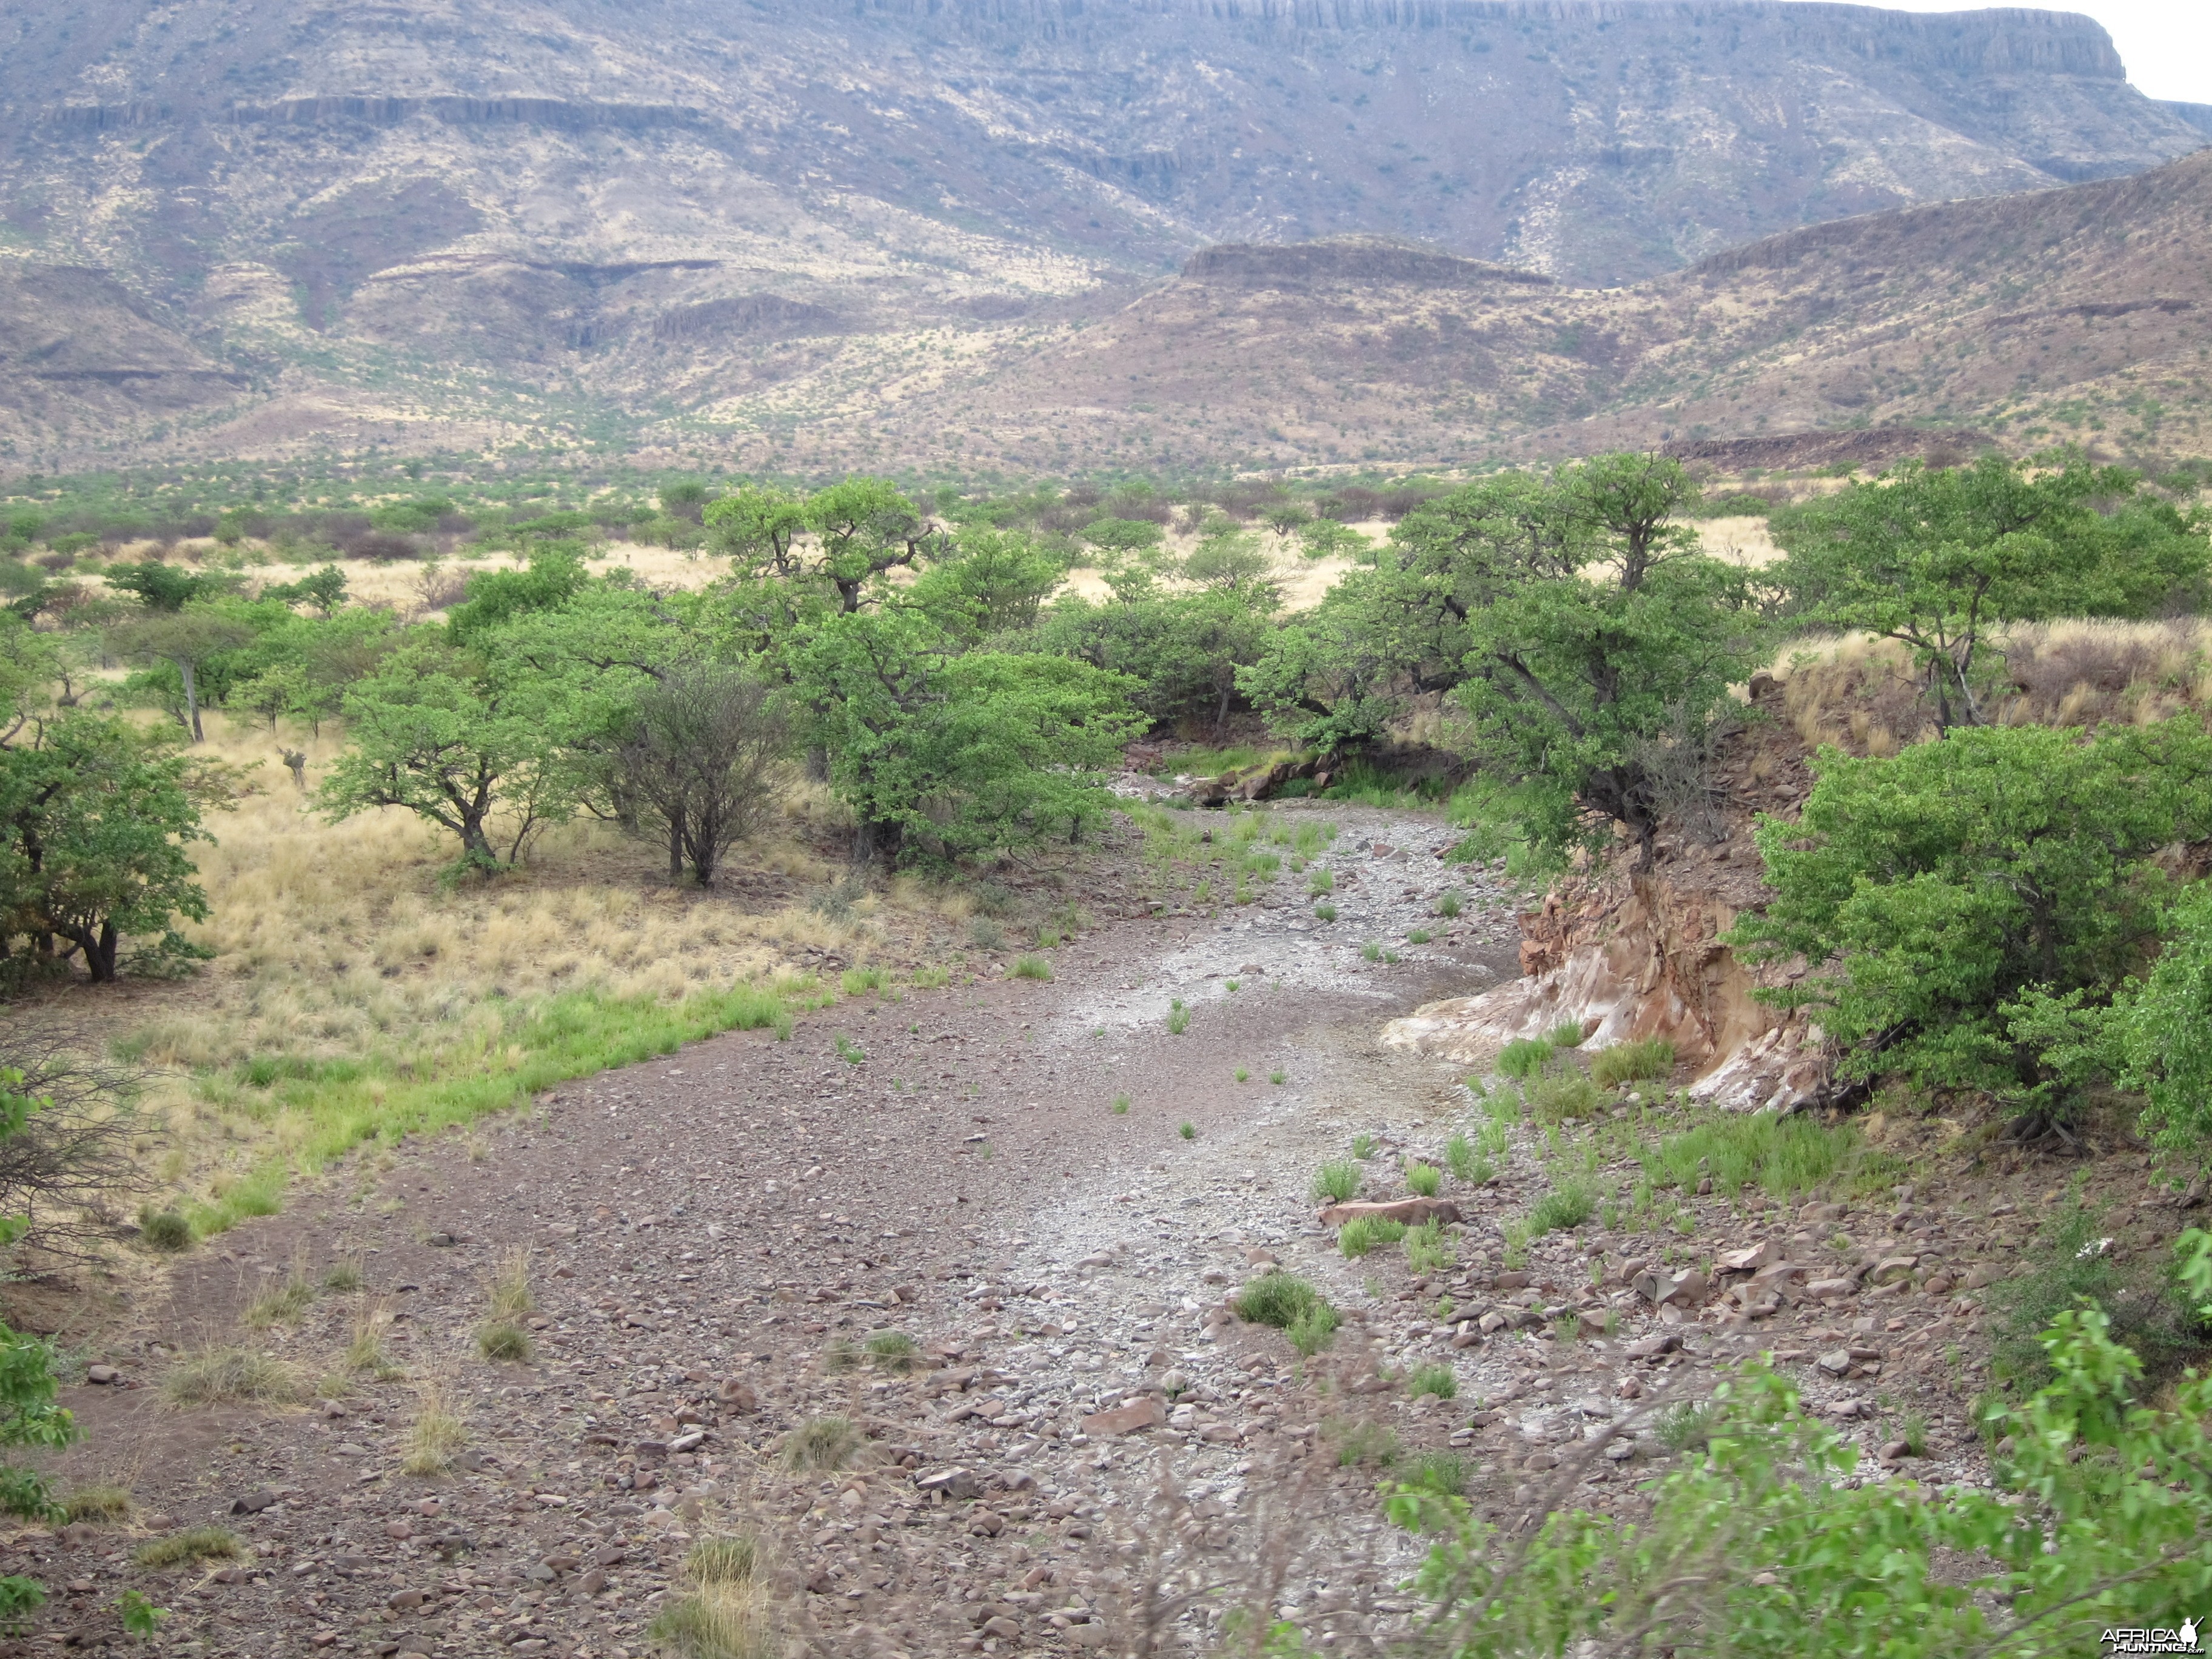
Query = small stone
x=439 y=1241
x=1629 y=1389
x=1832 y=1290
x=987 y=1523
x=104 y=1374
x=1620 y=1450
x=1537 y=1462
x=1892 y=1450
x=1146 y=1414
x=398 y=1529
x=1894 y=1269
x=955 y=1483
x=1002 y=1627
x=404 y=1601
x=1836 y=1363
x=1980 y=1275
x=592 y=1581
x=252 y=1502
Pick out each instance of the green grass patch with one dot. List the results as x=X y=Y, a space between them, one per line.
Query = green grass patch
x=344 y=1104
x=1565 y=1207
x=1783 y=1158
x=1423 y=1180
x=1461 y=1159
x=1336 y=1180
x=1030 y=966
x=1178 y=1018
x=1438 y=1380
x=1325 y=913
x=1565 y=1095
x=190 y=1545
x=1631 y=1062
x=932 y=978
x=1366 y=1232
x=1426 y=1252
x=1568 y=1034
x=1277 y=1297
x=1523 y=1057
x=857 y=981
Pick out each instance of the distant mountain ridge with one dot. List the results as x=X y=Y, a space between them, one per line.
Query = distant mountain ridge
x=406 y=221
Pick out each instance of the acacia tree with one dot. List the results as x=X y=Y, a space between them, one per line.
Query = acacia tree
x=186 y=640
x=1932 y=558
x=94 y=820
x=943 y=752
x=474 y=743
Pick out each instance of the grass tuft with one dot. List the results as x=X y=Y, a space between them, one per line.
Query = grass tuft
x=1426 y=1252
x=1568 y=1034
x=821 y=1443
x=502 y=1340
x=1178 y=1018
x=1365 y=1232
x=1631 y=1062
x=510 y=1286
x=189 y=1546
x=1523 y=1057
x=104 y=1502
x=1423 y=1180
x=1439 y=1380
x=1565 y=1207
x=1030 y=966
x=1783 y=1158
x=164 y=1230
x=1277 y=1297
x=1335 y=1181
x=1565 y=1096
x=230 y=1376
x=894 y=1351
x=1188 y=1131
x=434 y=1437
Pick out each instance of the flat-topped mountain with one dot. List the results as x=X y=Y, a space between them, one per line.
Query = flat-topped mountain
x=429 y=222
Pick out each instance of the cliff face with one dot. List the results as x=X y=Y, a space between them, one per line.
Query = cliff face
x=393 y=194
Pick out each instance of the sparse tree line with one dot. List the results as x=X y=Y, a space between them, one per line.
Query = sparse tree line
x=924 y=660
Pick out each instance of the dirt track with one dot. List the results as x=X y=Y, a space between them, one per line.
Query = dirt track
x=709 y=1235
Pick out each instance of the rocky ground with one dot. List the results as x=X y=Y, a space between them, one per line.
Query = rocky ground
x=1055 y=1196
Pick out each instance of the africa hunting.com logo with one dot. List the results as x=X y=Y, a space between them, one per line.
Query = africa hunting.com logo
x=2123 y=1640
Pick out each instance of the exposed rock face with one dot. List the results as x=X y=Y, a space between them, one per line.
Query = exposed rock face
x=1636 y=957
x=491 y=187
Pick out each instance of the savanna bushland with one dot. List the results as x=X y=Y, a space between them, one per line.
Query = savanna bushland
x=704 y=1064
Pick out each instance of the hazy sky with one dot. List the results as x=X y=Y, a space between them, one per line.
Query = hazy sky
x=2166 y=44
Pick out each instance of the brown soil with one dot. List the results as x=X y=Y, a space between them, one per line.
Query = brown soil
x=711 y=1237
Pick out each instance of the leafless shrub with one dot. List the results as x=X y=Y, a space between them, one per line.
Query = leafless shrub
x=699 y=761
x=66 y=1169
x=441 y=589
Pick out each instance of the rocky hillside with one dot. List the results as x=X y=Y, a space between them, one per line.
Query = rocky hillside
x=439 y=220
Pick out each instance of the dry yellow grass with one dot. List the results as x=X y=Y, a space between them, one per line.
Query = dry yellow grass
x=340 y=942
x=1861 y=692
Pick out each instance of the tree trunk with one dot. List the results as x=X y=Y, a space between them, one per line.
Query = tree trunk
x=185 y=671
x=100 y=952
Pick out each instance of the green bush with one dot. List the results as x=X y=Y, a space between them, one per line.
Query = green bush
x=1031 y=967
x=1364 y=1233
x=2163 y=1030
x=1335 y=1181
x=1423 y=1180
x=1313 y=1330
x=164 y=1230
x=1631 y=1062
x=2068 y=1267
x=1462 y=1160
x=1276 y=1297
x=1561 y=1096
x=1568 y=1034
x=1963 y=887
x=2099 y=1516
x=1438 y=1380
x=1442 y=1473
x=1426 y=1252
x=1565 y=1207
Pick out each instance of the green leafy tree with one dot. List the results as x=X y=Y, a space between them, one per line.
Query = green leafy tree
x=324 y=589
x=758 y=528
x=187 y=643
x=554 y=574
x=161 y=587
x=988 y=582
x=1183 y=652
x=1932 y=558
x=471 y=741
x=94 y=820
x=1119 y=538
x=1599 y=642
x=1945 y=894
x=944 y=753
x=865 y=528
